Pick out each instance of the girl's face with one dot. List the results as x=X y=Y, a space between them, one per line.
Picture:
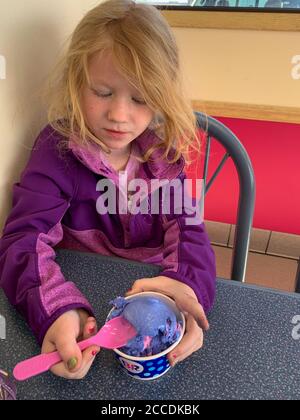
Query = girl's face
x=114 y=110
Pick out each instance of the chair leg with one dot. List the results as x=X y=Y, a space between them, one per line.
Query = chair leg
x=298 y=278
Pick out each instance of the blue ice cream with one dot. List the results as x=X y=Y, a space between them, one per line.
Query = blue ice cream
x=155 y=322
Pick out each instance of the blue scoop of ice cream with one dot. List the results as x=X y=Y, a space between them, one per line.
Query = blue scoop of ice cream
x=155 y=322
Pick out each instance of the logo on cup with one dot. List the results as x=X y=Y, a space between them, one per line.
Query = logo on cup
x=131 y=366
x=2 y=328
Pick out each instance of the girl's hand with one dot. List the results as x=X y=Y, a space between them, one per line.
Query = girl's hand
x=63 y=335
x=187 y=302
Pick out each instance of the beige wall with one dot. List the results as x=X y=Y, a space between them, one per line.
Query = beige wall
x=31 y=33
x=241 y=65
x=219 y=65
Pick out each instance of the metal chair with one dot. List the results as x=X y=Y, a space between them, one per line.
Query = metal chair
x=236 y=151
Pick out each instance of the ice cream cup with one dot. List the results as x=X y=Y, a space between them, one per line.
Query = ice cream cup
x=150 y=367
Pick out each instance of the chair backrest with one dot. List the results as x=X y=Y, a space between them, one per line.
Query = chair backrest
x=236 y=151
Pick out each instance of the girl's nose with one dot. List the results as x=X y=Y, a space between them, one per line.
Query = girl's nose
x=118 y=111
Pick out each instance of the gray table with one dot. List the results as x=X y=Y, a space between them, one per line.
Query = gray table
x=249 y=352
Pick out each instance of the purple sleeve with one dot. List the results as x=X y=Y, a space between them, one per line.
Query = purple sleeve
x=188 y=254
x=29 y=275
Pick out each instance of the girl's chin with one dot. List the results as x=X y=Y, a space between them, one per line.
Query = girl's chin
x=117 y=148
x=115 y=143
x=114 y=146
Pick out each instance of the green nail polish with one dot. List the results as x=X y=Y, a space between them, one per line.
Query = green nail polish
x=72 y=363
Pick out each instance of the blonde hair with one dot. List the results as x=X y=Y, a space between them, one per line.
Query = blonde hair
x=146 y=53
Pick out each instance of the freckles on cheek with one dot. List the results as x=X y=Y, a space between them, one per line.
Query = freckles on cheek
x=91 y=111
x=91 y=108
x=88 y=104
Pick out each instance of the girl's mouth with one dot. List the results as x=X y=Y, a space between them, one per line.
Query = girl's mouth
x=116 y=133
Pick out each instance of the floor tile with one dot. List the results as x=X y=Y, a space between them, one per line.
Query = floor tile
x=218 y=232
x=270 y=271
x=284 y=244
x=223 y=261
x=258 y=240
x=263 y=270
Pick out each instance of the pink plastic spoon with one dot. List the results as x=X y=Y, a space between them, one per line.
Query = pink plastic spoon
x=115 y=333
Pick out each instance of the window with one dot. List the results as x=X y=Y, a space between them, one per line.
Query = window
x=260 y=15
x=283 y=5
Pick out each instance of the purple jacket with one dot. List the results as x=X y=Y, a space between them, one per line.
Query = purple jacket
x=54 y=205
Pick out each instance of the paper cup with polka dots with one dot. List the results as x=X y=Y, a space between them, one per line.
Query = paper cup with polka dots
x=150 y=367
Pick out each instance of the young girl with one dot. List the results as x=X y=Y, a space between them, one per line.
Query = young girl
x=117 y=104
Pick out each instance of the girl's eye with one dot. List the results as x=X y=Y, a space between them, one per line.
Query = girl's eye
x=101 y=94
x=106 y=95
x=139 y=101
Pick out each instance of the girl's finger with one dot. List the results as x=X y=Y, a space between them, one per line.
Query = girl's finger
x=71 y=357
x=90 y=328
x=183 y=295
x=59 y=369
x=88 y=357
x=189 y=304
x=191 y=342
